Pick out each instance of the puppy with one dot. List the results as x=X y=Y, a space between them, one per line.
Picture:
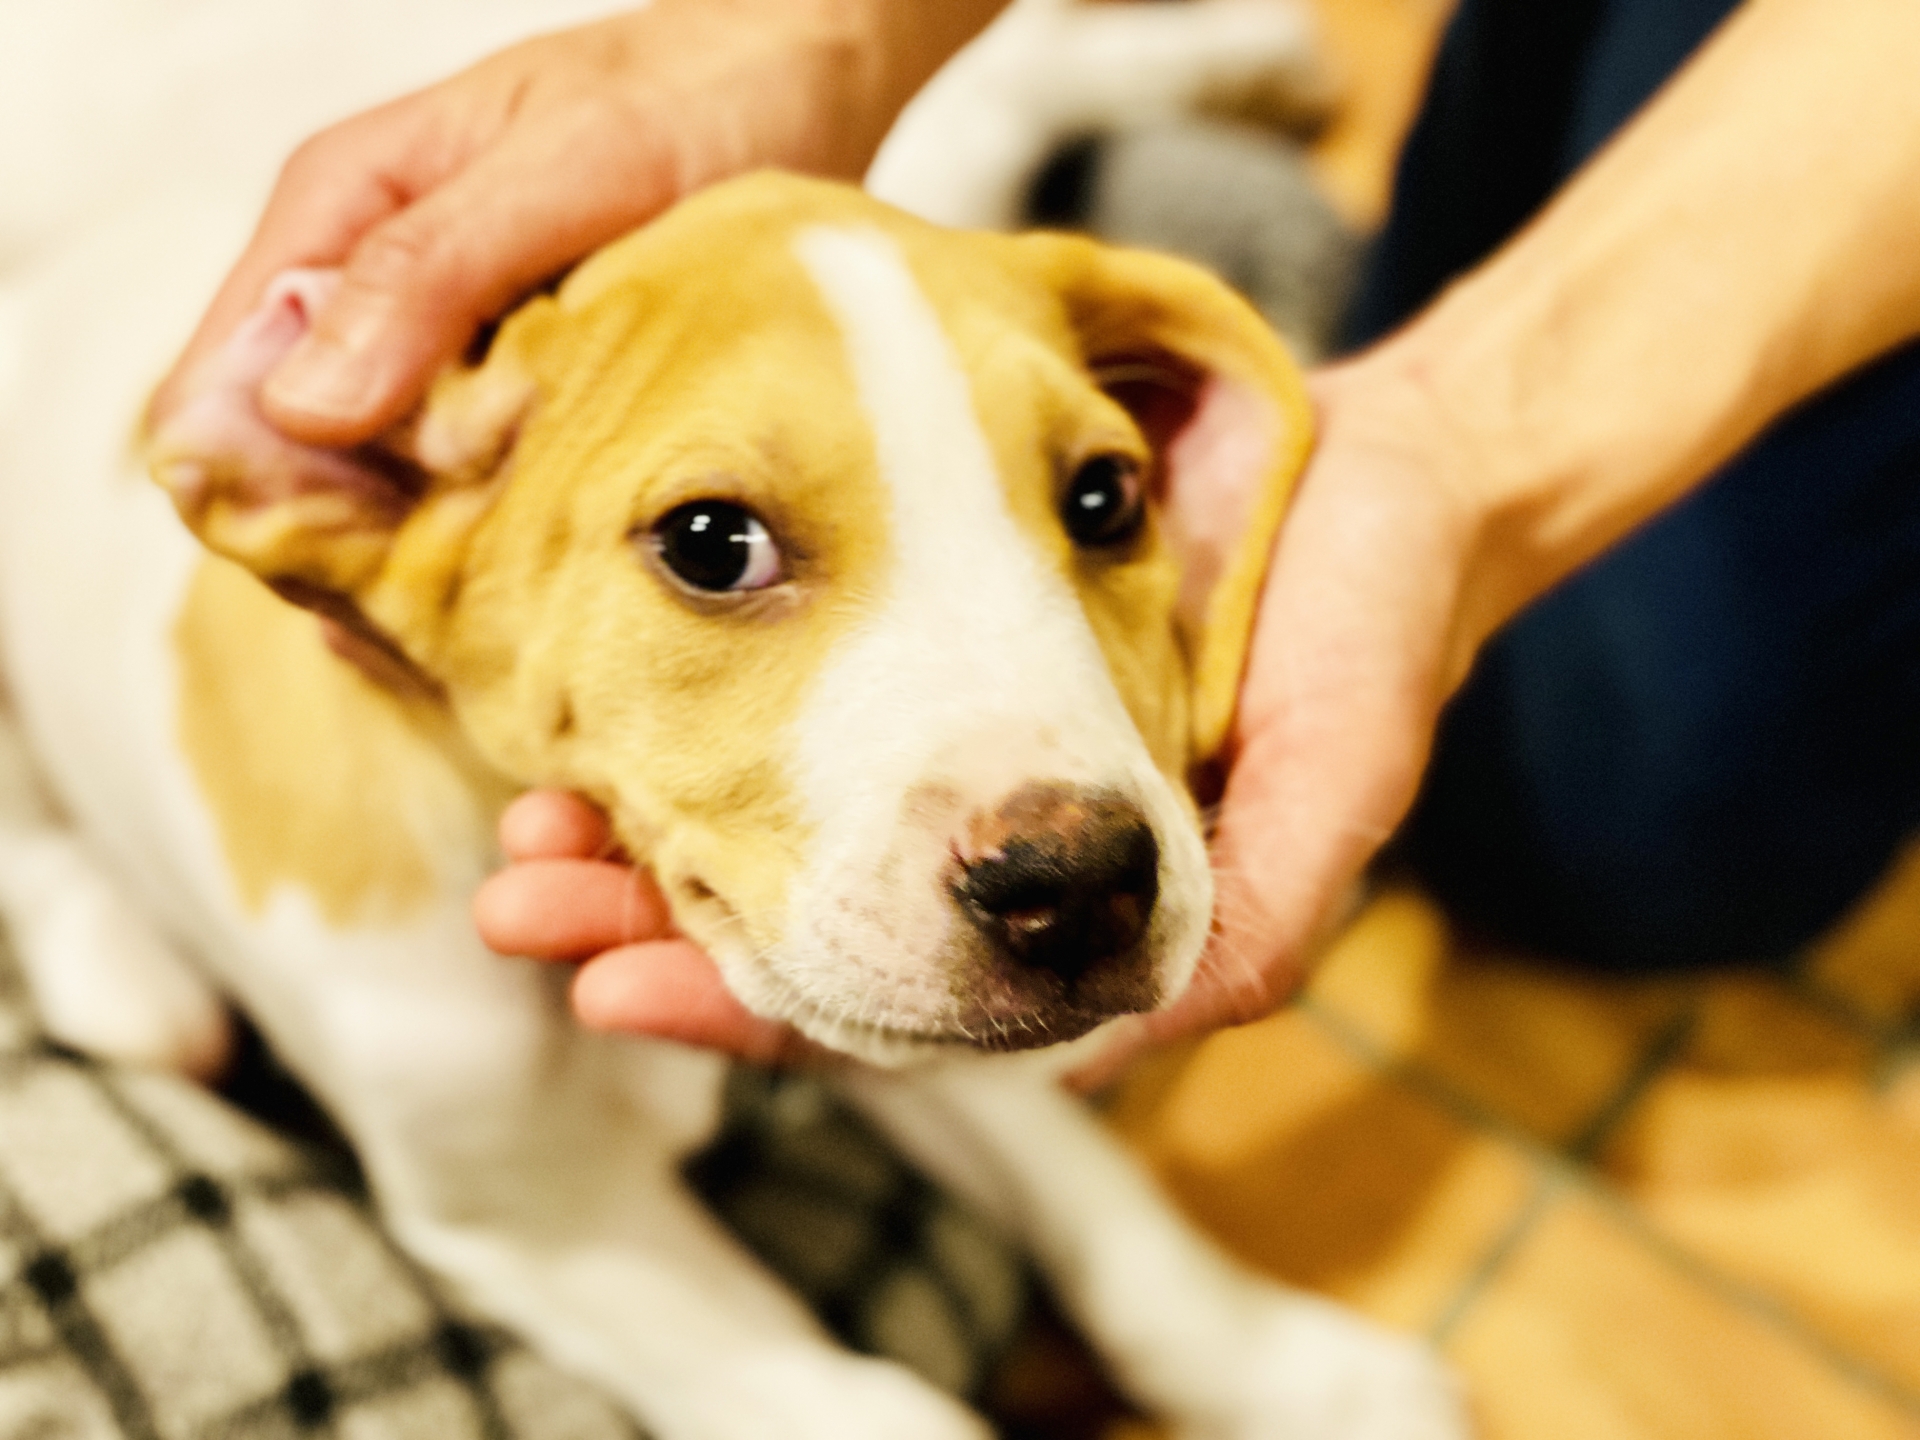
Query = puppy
x=884 y=583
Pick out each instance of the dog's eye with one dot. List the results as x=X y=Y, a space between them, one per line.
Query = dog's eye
x=1105 y=502
x=717 y=546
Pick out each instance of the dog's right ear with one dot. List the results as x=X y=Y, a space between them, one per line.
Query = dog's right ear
x=1225 y=408
x=319 y=526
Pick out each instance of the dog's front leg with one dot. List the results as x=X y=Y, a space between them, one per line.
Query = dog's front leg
x=536 y=1169
x=682 y=1326
x=1189 y=1333
x=102 y=978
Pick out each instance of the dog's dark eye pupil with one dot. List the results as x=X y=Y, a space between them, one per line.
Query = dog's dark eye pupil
x=714 y=545
x=1103 y=504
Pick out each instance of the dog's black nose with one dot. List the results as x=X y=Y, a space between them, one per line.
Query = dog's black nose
x=1060 y=880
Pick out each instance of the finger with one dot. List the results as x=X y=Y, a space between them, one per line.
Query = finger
x=420 y=283
x=1336 y=712
x=1256 y=957
x=672 y=991
x=1123 y=1042
x=1312 y=795
x=332 y=190
x=554 y=825
x=568 y=909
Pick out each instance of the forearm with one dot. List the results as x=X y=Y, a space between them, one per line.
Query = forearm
x=1752 y=235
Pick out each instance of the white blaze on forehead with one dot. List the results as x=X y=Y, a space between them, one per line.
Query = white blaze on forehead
x=974 y=627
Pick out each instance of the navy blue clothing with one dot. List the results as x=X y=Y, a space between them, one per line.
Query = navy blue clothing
x=1705 y=745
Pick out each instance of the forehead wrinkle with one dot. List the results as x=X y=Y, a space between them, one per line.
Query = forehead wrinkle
x=657 y=405
x=639 y=349
x=656 y=418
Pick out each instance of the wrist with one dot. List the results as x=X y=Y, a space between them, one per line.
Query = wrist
x=1385 y=423
x=1718 y=261
x=806 y=85
x=1554 y=413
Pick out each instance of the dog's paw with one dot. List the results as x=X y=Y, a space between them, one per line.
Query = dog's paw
x=1308 y=1370
x=102 y=978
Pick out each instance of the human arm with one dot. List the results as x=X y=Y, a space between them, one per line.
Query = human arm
x=1742 y=243
x=1736 y=248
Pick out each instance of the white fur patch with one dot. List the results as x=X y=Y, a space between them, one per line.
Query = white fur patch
x=977 y=673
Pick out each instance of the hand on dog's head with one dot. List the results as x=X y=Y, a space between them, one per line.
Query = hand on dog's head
x=884 y=583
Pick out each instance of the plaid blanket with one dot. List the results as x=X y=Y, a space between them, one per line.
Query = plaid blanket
x=170 y=1267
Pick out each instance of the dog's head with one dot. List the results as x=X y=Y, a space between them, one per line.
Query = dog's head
x=885 y=583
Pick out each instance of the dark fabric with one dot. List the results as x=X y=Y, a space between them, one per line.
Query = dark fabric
x=1520 y=95
x=1705 y=747
x=1707 y=744
x=1485 y=150
x=891 y=1264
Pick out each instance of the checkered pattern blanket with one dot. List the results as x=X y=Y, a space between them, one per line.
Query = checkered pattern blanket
x=171 y=1268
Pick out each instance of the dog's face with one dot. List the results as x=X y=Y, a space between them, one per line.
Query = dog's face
x=829 y=552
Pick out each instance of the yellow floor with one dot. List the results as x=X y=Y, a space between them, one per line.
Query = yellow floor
x=1627 y=1211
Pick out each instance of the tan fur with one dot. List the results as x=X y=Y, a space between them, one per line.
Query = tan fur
x=312 y=772
x=572 y=659
x=1128 y=304
x=694 y=359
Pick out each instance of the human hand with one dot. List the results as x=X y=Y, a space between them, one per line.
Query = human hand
x=444 y=207
x=569 y=895
x=1385 y=579
x=441 y=209
x=1534 y=415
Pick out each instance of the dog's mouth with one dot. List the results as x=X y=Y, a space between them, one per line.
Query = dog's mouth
x=972 y=996
x=988 y=1033
x=973 y=1029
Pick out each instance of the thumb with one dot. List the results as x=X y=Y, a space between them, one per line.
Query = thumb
x=408 y=299
x=422 y=282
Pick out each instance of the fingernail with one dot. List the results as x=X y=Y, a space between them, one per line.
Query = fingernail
x=331 y=375
x=323 y=379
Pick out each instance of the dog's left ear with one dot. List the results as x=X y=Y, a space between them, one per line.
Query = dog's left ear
x=1226 y=410
x=322 y=527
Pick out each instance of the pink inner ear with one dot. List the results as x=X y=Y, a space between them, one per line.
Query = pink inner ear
x=1217 y=468
x=214 y=438
x=294 y=296
x=219 y=404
